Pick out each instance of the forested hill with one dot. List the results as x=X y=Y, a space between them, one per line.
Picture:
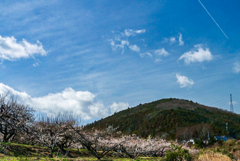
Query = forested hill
x=170 y=118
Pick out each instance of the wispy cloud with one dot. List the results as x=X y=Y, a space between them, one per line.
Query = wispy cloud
x=146 y=54
x=11 y=50
x=198 y=54
x=36 y=64
x=130 y=32
x=120 y=40
x=170 y=40
x=156 y=54
x=181 y=42
x=184 y=81
x=21 y=7
x=213 y=19
x=173 y=40
x=236 y=67
x=121 y=44
x=134 y=48
x=81 y=103
x=161 y=52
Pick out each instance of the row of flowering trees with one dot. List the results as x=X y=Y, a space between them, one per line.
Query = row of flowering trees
x=63 y=134
x=18 y=124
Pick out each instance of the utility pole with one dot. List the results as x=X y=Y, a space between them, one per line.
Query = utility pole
x=231 y=104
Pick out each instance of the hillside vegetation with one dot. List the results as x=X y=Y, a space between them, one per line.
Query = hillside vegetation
x=171 y=118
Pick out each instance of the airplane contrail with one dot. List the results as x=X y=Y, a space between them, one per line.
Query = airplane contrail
x=213 y=19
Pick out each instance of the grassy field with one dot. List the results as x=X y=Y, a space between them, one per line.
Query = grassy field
x=22 y=152
x=8 y=158
x=228 y=151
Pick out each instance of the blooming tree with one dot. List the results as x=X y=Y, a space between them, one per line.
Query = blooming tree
x=54 y=132
x=14 y=117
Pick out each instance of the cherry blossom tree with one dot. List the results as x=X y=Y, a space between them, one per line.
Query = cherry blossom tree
x=98 y=143
x=54 y=132
x=133 y=146
x=14 y=117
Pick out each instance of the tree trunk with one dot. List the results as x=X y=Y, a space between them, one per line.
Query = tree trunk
x=63 y=151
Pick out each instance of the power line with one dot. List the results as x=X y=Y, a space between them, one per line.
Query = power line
x=222 y=102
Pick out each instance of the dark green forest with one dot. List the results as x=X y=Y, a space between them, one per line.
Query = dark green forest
x=171 y=118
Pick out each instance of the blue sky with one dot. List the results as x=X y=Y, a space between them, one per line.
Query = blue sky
x=97 y=57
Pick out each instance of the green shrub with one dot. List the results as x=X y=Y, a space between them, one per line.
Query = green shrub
x=2 y=148
x=178 y=154
x=224 y=152
x=220 y=142
x=212 y=141
x=199 y=143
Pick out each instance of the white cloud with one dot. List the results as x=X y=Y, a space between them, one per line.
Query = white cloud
x=11 y=50
x=130 y=32
x=81 y=103
x=172 y=40
x=36 y=64
x=147 y=54
x=21 y=96
x=161 y=52
x=124 y=42
x=120 y=41
x=155 y=54
x=236 y=67
x=184 y=81
x=140 y=31
x=134 y=48
x=181 y=42
x=199 y=54
x=116 y=107
x=121 y=44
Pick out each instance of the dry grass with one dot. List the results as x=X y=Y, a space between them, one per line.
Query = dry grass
x=213 y=157
x=237 y=155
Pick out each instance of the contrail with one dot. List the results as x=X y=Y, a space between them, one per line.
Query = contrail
x=213 y=18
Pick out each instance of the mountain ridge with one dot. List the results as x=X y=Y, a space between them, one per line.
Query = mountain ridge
x=167 y=117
